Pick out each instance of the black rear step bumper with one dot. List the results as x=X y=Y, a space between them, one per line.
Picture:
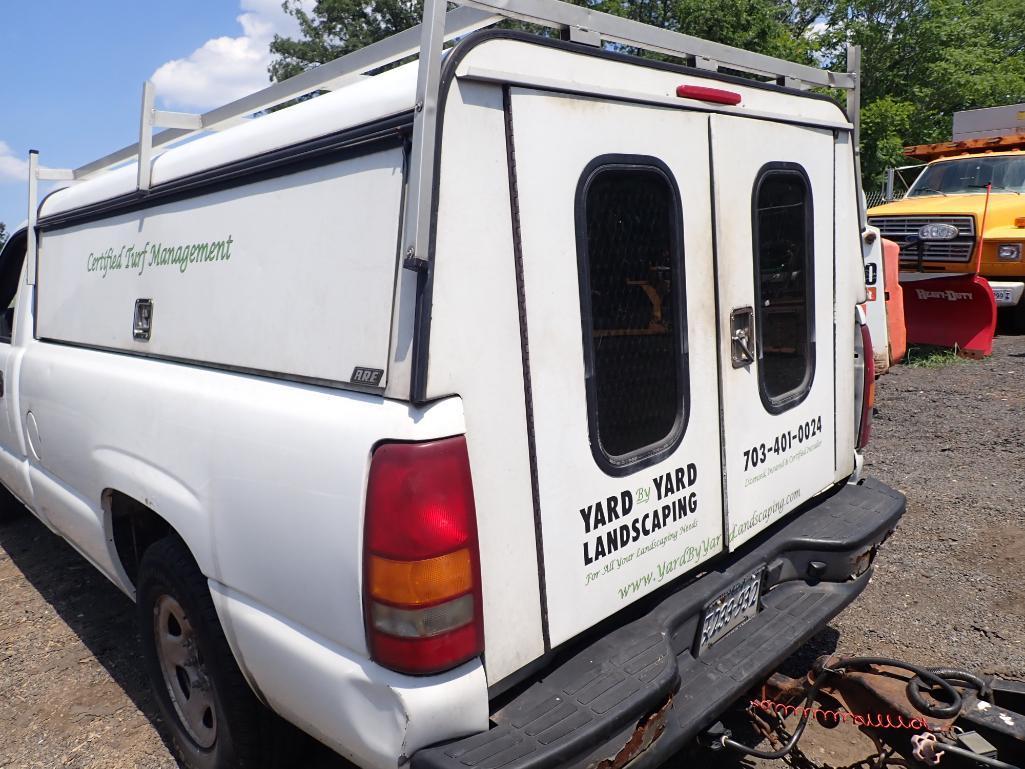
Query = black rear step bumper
x=638 y=694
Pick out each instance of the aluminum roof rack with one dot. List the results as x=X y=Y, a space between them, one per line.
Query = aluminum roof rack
x=439 y=25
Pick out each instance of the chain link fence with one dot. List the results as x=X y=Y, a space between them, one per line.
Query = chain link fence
x=898 y=181
x=874 y=198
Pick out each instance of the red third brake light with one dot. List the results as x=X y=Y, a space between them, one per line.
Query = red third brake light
x=422 y=596
x=703 y=93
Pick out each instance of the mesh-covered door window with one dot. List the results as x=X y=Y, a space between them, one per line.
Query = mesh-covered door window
x=784 y=289
x=629 y=239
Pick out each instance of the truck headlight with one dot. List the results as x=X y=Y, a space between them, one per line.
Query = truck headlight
x=938 y=231
x=1009 y=252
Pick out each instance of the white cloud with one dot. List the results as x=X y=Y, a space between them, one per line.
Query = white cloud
x=12 y=168
x=225 y=68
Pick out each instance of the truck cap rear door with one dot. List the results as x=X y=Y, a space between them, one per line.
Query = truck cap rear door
x=618 y=285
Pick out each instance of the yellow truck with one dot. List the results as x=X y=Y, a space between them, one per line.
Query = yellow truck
x=965 y=215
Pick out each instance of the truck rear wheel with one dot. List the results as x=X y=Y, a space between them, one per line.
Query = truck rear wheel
x=1015 y=318
x=10 y=506
x=214 y=719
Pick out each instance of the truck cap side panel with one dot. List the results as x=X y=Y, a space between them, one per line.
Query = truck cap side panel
x=292 y=275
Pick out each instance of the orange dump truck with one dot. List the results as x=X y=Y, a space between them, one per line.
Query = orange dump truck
x=961 y=229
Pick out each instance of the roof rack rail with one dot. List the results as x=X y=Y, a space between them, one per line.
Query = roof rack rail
x=426 y=40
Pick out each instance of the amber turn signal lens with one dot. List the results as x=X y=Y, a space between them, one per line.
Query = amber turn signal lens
x=420 y=583
x=1020 y=221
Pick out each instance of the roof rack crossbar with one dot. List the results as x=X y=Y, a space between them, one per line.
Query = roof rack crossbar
x=617 y=29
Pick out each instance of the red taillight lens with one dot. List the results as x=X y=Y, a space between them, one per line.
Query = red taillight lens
x=868 y=392
x=422 y=597
x=703 y=93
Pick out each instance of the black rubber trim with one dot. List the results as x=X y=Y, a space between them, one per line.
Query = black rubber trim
x=836 y=352
x=351 y=142
x=719 y=363
x=777 y=404
x=454 y=57
x=528 y=393
x=284 y=376
x=642 y=456
x=585 y=707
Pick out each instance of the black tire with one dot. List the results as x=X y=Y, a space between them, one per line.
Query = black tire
x=234 y=730
x=1016 y=318
x=10 y=506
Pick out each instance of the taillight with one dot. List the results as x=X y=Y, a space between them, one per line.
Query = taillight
x=864 y=384
x=422 y=596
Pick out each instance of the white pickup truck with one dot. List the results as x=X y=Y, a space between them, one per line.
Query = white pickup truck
x=499 y=410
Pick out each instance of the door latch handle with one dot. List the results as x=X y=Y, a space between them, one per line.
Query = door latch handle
x=741 y=341
x=742 y=336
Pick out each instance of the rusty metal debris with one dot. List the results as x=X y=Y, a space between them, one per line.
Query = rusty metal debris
x=915 y=716
x=875 y=697
x=772 y=727
x=882 y=690
x=648 y=730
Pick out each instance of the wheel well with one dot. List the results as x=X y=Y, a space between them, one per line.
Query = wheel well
x=135 y=527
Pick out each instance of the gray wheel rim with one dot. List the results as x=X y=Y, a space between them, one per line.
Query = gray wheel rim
x=185 y=676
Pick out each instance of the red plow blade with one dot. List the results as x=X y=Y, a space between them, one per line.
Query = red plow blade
x=957 y=311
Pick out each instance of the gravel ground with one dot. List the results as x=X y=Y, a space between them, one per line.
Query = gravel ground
x=948 y=589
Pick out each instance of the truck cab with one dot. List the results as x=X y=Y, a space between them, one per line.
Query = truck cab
x=977 y=187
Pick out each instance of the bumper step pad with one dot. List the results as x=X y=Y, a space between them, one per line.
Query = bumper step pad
x=586 y=707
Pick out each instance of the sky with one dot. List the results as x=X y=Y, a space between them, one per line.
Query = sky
x=73 y=70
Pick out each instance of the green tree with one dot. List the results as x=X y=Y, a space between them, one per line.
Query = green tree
x=336 y=27
x=923 y=60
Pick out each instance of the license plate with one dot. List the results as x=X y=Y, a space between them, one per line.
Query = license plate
x=732 y=607
x=1003 y=295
